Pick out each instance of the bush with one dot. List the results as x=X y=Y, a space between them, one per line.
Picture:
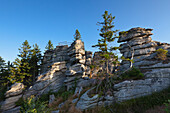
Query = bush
x=161 y=54
x=133 y=73
x=31 y=105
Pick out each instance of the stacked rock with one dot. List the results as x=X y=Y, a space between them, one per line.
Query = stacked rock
x=156 y=71
x=76 y=63
x=144 y=54
x=12 y=96
x=52 y=80
x=88 y=63
x=51 y=56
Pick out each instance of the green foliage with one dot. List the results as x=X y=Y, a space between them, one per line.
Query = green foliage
x=61 y=93
x=35 y=61
x=21 y=70
x=161 y=54
x=49 y=46
x=4 y=72
x=133 y=73
x=167 y=109
x=77 y=35
x=108 y=35
x=27 y=66
x=31 y=105
x=123 y=33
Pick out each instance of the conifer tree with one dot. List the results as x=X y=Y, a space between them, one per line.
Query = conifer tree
x=77 y=35
x=35 y=61
x=49 y=45
x=2 y=65
x=108 y=35
x=4 y=72
x=21 y=70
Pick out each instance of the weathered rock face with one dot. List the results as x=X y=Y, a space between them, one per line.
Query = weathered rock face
x=62 y=66
x=59 y=54
x=86 y=102
x=76 y=63
x=144 y=49
x=12 y=96
x=157 y=72
x=52 y=80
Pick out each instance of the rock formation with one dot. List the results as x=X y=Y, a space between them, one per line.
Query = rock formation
x=156 y=71
x=12 y=96
x=61 y=67
x=52 y=80
x=69 y=66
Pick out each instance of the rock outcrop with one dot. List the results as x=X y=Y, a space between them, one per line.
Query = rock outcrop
x=63 y=66
x=76 y=63
x=156 y=71
x=12 y=96
x=52 y=80
x=144 y=49
x=69 y=66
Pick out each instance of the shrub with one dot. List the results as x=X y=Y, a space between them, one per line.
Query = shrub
x=31 y=105
x=161 y=54
x=133 y=73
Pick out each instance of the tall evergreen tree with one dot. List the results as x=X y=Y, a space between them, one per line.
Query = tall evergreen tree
x=77 y=35
x=35 y=61
x=21 y=70
x=2 y=65
x=108 y=35
x=49 y=45
x=4 y=72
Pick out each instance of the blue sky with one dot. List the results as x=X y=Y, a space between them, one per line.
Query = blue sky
x=41 y=20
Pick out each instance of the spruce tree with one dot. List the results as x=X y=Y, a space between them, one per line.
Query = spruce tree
x=108 y=35
x=4 y=72
x=49 y=45
x=35 y=61
x=77 y=35
x=2 y=65
x=21 y=70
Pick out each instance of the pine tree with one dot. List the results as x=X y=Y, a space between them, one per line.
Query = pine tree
x=49 y=45
x=108 y=35
x=35 y=61
x=77 y=35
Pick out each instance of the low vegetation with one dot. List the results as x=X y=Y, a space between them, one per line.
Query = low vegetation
x=161 y=54
x=33 y=105
x=132 y=74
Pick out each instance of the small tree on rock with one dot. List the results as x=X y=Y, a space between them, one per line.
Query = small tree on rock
x=108 y=35
x=77 y=35
x=49 y=45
